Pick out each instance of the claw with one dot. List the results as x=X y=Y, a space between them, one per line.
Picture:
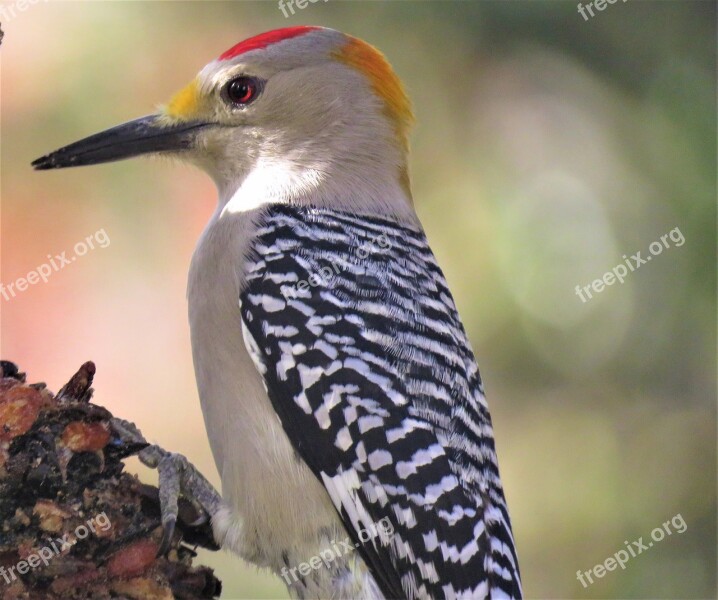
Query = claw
x=177 y=477
x=168 y=530
x=170 y=471
x=201 y=515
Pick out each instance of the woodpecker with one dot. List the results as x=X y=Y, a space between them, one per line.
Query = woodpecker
x=338 y=386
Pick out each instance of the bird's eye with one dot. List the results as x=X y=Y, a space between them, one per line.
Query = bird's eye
x=242 y=90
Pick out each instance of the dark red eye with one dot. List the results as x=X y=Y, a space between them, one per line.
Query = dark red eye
x=242 y=90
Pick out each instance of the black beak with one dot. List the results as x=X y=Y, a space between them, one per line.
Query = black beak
x=147 y=135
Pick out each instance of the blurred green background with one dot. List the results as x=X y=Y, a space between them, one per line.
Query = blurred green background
x=547 y=147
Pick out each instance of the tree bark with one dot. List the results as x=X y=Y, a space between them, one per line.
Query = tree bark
x=73 y=524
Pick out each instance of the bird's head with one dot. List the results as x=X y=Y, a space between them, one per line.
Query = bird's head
x=292 y=113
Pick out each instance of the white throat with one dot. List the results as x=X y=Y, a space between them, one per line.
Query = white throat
x=363 y=190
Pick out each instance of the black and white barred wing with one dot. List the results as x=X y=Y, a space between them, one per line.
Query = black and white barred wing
x=351 y=324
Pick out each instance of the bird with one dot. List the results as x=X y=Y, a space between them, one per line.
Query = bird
x=341 y=397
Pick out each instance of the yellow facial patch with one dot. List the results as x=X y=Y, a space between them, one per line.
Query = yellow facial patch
x=372 y=63
x=185 y=105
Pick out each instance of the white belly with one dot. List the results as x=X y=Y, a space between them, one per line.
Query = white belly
x=275 y=505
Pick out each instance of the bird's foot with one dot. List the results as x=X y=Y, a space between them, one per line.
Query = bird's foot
x=177 y=477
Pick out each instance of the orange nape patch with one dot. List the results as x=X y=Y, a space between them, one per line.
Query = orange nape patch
x=372 y=63
x=185 y=104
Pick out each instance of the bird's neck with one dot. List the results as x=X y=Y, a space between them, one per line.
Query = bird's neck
x=346 y=166
x=375 y=187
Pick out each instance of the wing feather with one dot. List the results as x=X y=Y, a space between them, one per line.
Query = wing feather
x=351 y=324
